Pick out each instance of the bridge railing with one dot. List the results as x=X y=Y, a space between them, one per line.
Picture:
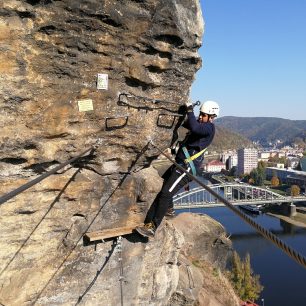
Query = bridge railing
x=235 y=193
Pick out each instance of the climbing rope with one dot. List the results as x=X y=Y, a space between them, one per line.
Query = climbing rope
x=267 y=234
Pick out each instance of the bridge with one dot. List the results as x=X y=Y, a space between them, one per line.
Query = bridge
x=237 y=194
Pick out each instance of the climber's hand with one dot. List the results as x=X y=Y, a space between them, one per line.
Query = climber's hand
x=189 y=106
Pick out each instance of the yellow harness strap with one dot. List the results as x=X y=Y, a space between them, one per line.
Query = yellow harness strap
x=193 y=157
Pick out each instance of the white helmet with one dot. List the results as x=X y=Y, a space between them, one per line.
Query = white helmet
x=210 y=108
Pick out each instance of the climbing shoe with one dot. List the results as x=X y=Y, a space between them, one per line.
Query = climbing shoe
x=170 y=212
x=148 y=230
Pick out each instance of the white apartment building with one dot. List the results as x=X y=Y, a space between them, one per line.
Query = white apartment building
x=232 y=161
x=247 y=160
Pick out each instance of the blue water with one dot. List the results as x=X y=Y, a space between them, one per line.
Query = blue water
x=283 y=279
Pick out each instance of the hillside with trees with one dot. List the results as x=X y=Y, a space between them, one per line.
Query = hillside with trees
x=226 y=140
x=266 y=129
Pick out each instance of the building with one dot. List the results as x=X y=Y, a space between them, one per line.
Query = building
x=247 y=160
x=213 y=166
x=232 y=161
x=264 y=156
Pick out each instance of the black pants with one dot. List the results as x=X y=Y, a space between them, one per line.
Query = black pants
x=174 y=180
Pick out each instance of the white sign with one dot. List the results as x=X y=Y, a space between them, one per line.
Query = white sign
x=102 y=82
x=85 y=105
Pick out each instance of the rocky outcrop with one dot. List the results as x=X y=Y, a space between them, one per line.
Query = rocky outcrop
x=51 y=109
x=170 y=269
x=202 y=261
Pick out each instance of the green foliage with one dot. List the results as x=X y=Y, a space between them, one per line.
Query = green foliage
x=278 y=160
x=266 y=129
x=233 y=171
x=245 y=283
x=300 y=141
x=225 y=140
x=258 y=175
x=236 y=275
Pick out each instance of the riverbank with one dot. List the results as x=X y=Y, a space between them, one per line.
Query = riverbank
x=299 y=219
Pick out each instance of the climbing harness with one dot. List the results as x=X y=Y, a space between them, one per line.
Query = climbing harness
x=189 y=159
x=267 y=234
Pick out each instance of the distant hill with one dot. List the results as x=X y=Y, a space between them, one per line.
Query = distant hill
x=266 y=129
x=225 y=140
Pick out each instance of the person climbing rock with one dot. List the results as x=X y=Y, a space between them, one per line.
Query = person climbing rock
x=190 y=155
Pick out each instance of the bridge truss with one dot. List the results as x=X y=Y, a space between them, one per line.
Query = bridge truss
x=237 y=194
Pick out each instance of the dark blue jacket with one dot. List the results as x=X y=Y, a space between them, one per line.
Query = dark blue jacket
x=199 y=137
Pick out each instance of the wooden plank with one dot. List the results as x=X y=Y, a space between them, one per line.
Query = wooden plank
x=110 y=233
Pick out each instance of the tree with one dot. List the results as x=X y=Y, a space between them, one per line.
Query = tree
x=259 y=174
x=295 y=190
x=254 y=176
x=245 y=283
x=233 y=171
x=236 y=275
x=261 y=168
x=274 y=181
x=252 y=286
x=276 y=159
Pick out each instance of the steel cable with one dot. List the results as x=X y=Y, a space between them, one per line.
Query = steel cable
x=154 y=101
x=121 y=276
x=27 y=185
x=267 y=234
x=123 y=101
x=142 y=152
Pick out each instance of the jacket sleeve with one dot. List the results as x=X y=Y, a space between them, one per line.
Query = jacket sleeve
x=196 y=127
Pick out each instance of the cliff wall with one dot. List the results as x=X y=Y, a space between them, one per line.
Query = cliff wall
x=52 y=107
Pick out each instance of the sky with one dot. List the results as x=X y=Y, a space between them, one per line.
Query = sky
x=254 y=58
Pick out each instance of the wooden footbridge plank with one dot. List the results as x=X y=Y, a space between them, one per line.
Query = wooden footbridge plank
x=110 y=233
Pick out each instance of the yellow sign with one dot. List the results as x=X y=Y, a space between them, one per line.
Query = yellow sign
x=85 y=105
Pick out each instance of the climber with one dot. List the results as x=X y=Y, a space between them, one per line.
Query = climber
x=190 y=155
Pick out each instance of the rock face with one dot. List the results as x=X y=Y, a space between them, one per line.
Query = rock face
x=201 y=263
x=51 y=110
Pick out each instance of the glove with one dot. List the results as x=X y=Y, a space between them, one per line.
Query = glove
x=189 y=106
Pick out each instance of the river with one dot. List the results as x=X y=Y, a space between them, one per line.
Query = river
x=283 y=279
